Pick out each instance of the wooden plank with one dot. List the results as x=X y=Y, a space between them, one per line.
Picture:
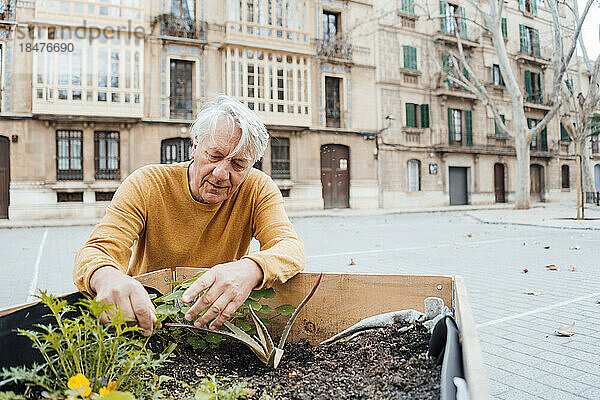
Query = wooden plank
x=475 y=371
x=159 y=280
x=344 y=299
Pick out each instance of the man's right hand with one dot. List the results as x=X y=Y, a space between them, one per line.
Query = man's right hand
x=114 y=287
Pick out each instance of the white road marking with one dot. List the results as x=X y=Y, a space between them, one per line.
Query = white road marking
x=537 y=310
x=36 y=271
x=463 y=244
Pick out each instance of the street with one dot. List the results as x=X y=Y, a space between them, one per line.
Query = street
x=525 y=359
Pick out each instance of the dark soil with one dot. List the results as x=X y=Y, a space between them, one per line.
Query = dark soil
x=382 y=364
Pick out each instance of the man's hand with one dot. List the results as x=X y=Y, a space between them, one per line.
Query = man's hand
x=114 y=287
x=227 y=287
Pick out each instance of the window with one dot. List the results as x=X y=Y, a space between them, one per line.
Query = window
x=564 y=135
x=540 y=142
x=497 y=131
x=410 y=57
x=454 y=19
x=175 y=150
x=280 y=158
x=417 y=116
x=69 y=156
x=181 y=97
x=528 y=6
x=408 y=6
x=413 y=175
x=330 y=25
x=534 y=87
x=460 y=122
x=504 y=28
x=565 y=177
x=595 y=143
x=449 y=66
x=104 y=196
x=69 y=197
x=332 y=101
x=530 y=40
x=497 y=76
x=107 y=155
x=183 y=8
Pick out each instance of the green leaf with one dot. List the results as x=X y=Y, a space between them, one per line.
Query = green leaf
x=213 y=338
x=117 y=395
x=176 y=295
x=196 y=342
x=152 y=296
x=266 y=293
x=254 y=304
x=204 y=396
x=185 y=309
x=167 y=309
x=264 y=309
x=285 y=309
x=244 y=326
x=265 y=321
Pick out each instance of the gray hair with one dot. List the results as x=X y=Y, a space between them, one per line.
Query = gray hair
x=254 y=138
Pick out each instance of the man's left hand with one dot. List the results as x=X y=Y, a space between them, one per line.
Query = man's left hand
x=227 y=287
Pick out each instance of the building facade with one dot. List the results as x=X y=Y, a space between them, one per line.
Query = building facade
x=352 y=93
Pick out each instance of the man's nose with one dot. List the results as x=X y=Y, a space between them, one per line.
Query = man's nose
x=221 y=171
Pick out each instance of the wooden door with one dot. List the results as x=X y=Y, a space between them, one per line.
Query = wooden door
x=458 y=186
x=335 y=175
x=499 y=183
x=536 y=175
x=4 y=176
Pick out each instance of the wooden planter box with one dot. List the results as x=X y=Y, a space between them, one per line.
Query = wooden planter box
x=344 y=299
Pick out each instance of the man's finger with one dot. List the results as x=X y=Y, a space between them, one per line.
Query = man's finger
x=142 y=310
x=205 y=281
x=225 y=315
x=207 y=299
x=216 y=309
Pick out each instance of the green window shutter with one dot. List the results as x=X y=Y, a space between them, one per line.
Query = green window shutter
x=450 y=128
x=463 y=22
x=406 y=56
x=424 y=115
x=443 y=17
x=522 y=5
x=536 y=39
x=410 y=115
x=496 y=129
x=544 y=140
x=469 y=127
x=408 y=6
x=446 y=62
x=541 y=86
x=522 y=36
x=414 y=58
x=564 y=135
x=534 y=6
x=504 y=27
x=528 y=86
x=410 y=57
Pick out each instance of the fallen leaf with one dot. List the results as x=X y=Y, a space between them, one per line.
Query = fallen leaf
x=546 y=247
x=199 y=373
x=352 y=262
x=551 y=267
x=565 y=330
x=532 y=292
x=469 y=235
x=573 y=268
x=525 y=270
x=293 y=374
x=575 y=247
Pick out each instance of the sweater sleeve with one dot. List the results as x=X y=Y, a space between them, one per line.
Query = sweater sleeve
x=111 y=240
x=281 y=254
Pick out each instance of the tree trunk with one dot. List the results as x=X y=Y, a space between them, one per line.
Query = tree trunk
x=578 y=160
x=588 y=175
x=523 y=183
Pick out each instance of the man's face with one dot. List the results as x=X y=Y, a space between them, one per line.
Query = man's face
x=215 y=174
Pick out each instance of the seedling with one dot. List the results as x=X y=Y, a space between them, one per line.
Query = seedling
x=262 y=345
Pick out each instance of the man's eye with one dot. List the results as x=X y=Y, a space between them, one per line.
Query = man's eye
x=213 y=157
x=238 y=166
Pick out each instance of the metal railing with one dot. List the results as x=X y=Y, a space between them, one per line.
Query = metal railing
x=188 y=28
x=592 y=198
x=336 y=47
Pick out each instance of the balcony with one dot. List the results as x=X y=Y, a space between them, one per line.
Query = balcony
x=532 y=59
x=337 y=49
x=535 y=101
x=447 y=36
x=172 y=26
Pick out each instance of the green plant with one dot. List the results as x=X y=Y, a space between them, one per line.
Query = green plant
x=212 y=388
x=262 y=345
x=10 y=396
x=170 y=309
x=77 y=347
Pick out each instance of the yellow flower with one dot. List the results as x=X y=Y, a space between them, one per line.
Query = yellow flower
x=81 y=383
x=108 y=388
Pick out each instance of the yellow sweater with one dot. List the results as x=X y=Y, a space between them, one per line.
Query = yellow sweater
x=154 y=211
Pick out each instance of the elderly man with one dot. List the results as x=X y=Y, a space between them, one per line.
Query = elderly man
x=203 y=213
